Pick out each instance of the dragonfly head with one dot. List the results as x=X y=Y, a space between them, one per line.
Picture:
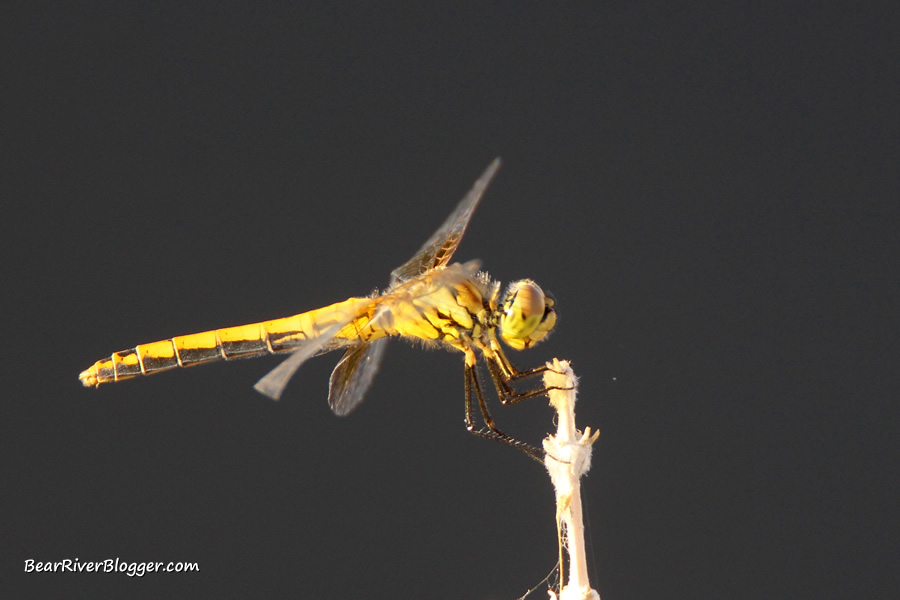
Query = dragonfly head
x=528 y=315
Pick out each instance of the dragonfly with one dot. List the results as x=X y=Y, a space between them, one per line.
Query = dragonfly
x=453 y=306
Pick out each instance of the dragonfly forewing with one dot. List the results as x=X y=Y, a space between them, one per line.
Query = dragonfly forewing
x=439 y=249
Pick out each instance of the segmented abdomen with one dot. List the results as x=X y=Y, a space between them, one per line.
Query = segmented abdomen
x=243 y=341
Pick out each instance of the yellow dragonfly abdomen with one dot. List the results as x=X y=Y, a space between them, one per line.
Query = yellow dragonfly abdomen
x=242 y=341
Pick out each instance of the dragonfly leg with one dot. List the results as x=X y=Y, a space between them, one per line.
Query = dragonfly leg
x=505 y=391
x=508 y=369
x=490 y=431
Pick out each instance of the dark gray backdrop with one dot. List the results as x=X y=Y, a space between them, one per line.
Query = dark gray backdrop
x=710 y=193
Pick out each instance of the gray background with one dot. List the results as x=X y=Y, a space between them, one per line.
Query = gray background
x=710 y=192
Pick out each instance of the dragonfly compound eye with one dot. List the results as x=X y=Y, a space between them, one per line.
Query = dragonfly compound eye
x=528 y=315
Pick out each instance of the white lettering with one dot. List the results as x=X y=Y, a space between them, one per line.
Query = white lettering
x=110 y=565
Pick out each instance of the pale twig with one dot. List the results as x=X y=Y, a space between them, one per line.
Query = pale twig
x=568 y=458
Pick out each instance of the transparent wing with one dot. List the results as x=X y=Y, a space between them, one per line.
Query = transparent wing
x=274 y=382
x=353 y=376
x=354 y=373
x=356 y=370
x=439 y=248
